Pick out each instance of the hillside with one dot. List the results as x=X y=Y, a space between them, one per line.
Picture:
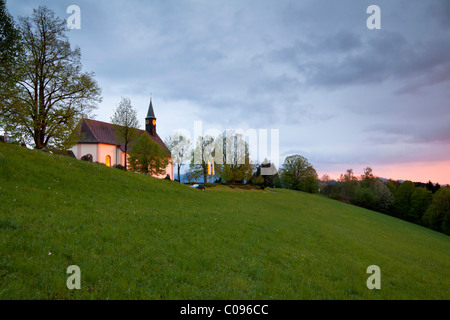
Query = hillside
x=136 y=237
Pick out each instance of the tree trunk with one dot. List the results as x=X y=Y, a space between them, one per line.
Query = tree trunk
x=39 y=138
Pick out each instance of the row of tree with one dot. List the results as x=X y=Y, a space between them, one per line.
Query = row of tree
x=226 y=157
x=424 y=204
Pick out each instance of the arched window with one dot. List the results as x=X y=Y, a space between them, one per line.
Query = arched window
x=108 y=161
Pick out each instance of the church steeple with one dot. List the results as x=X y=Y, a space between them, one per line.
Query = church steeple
x=150 y=120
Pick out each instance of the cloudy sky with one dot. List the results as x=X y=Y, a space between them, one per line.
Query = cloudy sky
x=340 y=94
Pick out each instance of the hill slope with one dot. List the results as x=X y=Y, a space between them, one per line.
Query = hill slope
x=136 y=237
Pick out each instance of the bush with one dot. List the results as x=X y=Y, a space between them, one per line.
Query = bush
x=258 y=181
x=310 y=185
x=336 y=196
x=87 y=157
x=363 y=197
x=119 y=166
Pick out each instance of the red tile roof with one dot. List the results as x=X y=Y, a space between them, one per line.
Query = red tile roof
x=102 y=132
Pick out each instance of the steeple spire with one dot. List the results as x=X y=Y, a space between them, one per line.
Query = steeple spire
x=151 y=113
x=150 y=120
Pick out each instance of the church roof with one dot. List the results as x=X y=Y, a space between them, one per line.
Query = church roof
x=150 y=113
x=102 y=132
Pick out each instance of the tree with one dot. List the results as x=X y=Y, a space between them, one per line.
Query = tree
x=420 y=201
x=53 y=92
x=236 y=165
x=392 y=186
x=125 y=124
x=348 y=183
x=384 y=198
x=432 y=187
x=179 y=146
x=147 y=157
x=200 y=157
x=368 y=179
x=189 y=176
x=10 y=53
x=258 y=180
x=349 y=176
x=403 y=199
x=437 y=216
x=326 y=185
x=277 y=181
x=193 y=175
x=363 y=197
x=299 y=174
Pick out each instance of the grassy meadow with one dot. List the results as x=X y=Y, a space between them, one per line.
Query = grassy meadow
x=137 y=237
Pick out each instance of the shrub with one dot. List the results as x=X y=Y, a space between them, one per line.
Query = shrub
x=258 y=181
x=119 y=166
x=87 y=157
x=363 y=197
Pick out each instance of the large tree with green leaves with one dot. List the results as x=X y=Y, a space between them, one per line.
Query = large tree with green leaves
x=146 y=156
x=298 y=174
x=125 y=122
x=10 y=54
x=237 y=165
x=53 y=91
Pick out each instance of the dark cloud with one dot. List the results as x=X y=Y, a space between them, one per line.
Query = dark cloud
x=345 y=58
x=441 y=10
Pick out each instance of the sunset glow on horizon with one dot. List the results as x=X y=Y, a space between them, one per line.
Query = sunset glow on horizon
x=436 y=172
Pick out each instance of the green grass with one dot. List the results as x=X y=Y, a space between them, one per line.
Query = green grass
x=136 y=237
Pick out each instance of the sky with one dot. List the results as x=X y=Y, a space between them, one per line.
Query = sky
x=340 y=94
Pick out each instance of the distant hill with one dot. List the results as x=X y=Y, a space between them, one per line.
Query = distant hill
x=137 y=237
